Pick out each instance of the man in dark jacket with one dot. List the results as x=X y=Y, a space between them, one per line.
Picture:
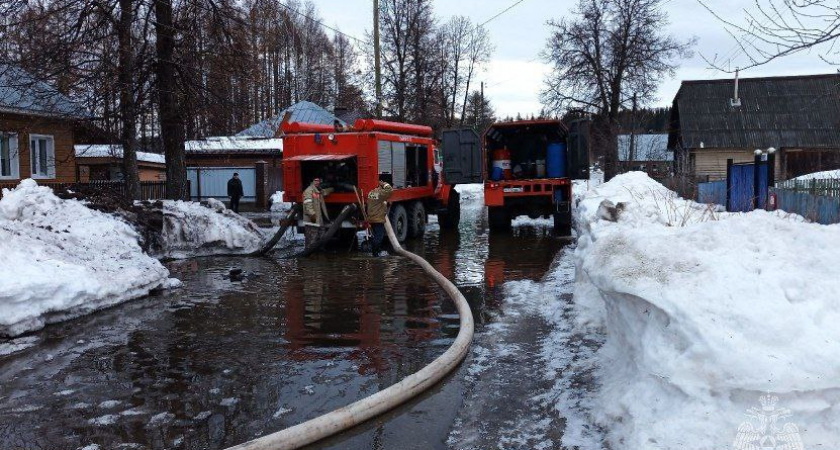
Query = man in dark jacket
x=235 y=192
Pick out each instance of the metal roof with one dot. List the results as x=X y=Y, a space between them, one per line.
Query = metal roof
x=235 y=145
x=303 y=112
x=649 y=147
x=114 y=151
x=21 y=93
x=799 y=112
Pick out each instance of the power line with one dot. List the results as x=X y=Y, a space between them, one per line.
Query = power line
x=323 y=24
x=500 y=13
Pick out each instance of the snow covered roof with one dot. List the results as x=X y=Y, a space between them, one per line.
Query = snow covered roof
x=21 y=93
x=826 y=175
x=648 y=147
x=235 y=144
x=114 y=151
x=303 y=112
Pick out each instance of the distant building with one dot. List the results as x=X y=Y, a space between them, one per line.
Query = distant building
x=650 y=154
x=797 y=115
x=36 y=129
x=104 y=162
x=255 y=153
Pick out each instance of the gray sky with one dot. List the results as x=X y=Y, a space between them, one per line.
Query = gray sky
x=515 y=75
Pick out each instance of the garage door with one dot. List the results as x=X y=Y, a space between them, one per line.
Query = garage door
x=213 y=182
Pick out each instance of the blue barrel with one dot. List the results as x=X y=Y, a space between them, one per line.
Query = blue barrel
x=555 y=164
x=497 y=174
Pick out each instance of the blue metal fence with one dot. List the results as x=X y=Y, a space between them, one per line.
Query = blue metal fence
x=742 y=188
x=712 y=192
x=816 y=208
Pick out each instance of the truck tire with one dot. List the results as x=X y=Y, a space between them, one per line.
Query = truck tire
x=562 y=224
x=499 y=218
x=450 y=219
x=416 y=220
x=399 y=221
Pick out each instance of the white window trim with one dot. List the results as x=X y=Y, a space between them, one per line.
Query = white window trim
x=51 y=166
x=14 y=153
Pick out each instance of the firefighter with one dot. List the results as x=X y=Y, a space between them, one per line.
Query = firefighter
x=314 y=211
x=377 y=208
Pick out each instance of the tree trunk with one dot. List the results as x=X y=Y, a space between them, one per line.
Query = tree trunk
x=128 y=110
x=171 y=126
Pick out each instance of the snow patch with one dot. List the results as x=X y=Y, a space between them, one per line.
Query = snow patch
x=68 y=260
x=160 y=419
x=703 y=314
x=107 y=419
x=825 y=175
x=16 y=345
x=277 y=203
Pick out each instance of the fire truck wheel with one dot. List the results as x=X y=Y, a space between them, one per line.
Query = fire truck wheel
x=416 y=220
x=450 y=219
x=399 y=221
x=499 y=218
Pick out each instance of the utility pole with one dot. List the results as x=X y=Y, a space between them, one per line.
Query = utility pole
x=632 y=156
x=481 y=123
x=376 y=62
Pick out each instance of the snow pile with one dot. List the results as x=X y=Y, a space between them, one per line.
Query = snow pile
x=207 y=228
x=471 y=192
x=277 y=203
x=826 y=175
x=704 y=314
x=61 y=260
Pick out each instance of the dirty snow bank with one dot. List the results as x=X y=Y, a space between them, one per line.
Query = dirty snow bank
x=206 y=228
x=61 y=260
x=704 y=313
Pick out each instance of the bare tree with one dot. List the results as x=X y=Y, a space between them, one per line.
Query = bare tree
x=609 y=51
x=171 y=125
x=128 y=112
x=779 y=28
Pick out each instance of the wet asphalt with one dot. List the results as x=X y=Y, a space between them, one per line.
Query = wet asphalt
x=220 y=361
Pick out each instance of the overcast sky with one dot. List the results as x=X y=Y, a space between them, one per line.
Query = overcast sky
x=515 y=75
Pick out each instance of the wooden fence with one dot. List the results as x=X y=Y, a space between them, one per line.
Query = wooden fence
x=149 y=190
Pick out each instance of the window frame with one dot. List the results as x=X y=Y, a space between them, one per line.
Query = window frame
x=51 y=162
x=14 y=155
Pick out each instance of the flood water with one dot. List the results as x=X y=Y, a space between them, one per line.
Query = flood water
x=220 y=361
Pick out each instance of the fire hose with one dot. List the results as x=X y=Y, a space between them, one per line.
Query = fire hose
x=369 y=407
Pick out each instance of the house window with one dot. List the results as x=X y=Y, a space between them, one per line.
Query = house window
x=42 y=156
x=9 y=160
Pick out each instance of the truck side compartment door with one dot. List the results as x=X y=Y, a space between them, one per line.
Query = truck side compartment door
x=578 y=146
x=463 y=161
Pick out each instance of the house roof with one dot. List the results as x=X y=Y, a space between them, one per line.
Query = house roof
x=303 y=112
x=796 y=111
x=114 y=151
x=235 y=145
x=648 y=147
x=21 y=93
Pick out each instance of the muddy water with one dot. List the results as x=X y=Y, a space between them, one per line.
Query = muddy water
x=222 y=361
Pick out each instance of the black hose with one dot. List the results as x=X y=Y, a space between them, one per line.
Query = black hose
x=336 y=224
x=290 y=219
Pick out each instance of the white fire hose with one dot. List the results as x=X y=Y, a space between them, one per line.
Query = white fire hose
x=369 y=407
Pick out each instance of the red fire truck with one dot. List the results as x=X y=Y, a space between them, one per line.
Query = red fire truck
x=404 y=155
x=530 y=166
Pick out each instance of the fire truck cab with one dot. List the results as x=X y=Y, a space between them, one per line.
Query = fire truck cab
x=404 y=155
